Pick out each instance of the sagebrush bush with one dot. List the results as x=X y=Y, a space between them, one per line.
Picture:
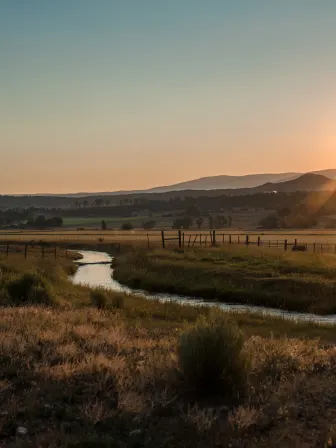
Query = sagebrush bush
x=99 y=299
x=102 y=300
x=30 y=288
x=118 y=301
x=212 y=360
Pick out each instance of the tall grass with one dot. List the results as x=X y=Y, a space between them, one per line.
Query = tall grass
x=295 y=282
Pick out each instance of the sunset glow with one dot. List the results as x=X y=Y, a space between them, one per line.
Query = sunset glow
x=112 y=95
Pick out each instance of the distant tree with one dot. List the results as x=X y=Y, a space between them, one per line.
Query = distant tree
x=220 y=221
x=183 y=223
x=127 y=226
x=103 y=225
x=148 y=225
x=99 y=202
x=194 y=211
x=199 y=222
x=86 y=203
x=284 y=212
x=270 y=222
x=41 y=222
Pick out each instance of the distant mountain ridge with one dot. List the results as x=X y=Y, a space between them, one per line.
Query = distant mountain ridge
x=225 y=182
x=221 y=182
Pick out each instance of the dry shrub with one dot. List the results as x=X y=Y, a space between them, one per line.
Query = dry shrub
x=212 y=359
x=102 y=300
x=99 y=299
x=30 y=288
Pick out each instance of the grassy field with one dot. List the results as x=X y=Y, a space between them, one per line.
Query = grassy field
x=99 y=369
x=73 y=375
x=308 y=236
x=241 y=220
x=256 y=276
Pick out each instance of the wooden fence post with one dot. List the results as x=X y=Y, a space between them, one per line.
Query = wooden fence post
x=214 y=237
x=314 y=248
x=295 y=242
x=223 y=238
x=286 y=245
x=189 y=241
x=26 y=250
x=163 y=240
x=180 y=238
x=148 y=242
x=247 y=240
x=258 y=241
x=183 y=239
x=7 y=250
x=230 y=239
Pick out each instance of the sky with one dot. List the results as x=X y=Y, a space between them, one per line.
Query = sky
x=105 y=95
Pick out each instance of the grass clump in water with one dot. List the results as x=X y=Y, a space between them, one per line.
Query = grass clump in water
x=212 y=359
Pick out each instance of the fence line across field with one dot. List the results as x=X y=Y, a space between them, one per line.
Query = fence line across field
x=164 y=239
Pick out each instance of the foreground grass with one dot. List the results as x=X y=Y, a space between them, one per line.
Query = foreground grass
x=73 y=375
x=290 y=281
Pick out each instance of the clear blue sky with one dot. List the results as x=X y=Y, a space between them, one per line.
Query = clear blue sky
x=114 y=94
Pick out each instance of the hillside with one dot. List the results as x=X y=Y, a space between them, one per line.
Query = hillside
x=307 y=182
x=225 y=182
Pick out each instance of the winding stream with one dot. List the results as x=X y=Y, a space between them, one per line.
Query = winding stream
x=101 y=275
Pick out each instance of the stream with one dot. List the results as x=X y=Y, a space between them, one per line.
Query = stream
x=101 y=275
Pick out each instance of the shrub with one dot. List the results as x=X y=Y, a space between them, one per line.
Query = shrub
x=118 y=301
x=30 y=288
x=127 y=226
x=99 y=299
x=148 y=225
x=103 y=301
x=212 y=360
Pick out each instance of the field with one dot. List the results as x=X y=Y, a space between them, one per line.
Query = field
x=240 y=219
x=82 y=369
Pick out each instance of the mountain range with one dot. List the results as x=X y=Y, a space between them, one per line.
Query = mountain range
x=225 y=182
x=222 y=182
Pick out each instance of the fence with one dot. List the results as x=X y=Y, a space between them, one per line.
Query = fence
x=214 y=238
x=50 y=243
x=45 y=250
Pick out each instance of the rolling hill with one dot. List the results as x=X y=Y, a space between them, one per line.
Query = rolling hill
x=225 y=182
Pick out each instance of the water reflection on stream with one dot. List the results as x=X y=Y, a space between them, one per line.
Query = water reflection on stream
x=101 y=275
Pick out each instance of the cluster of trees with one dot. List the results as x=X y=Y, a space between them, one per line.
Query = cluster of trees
x=288 y=220
x=214 y=222
x=41 y=222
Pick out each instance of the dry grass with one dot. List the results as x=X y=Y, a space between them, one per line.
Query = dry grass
x=77 y=376
x=84 y=375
